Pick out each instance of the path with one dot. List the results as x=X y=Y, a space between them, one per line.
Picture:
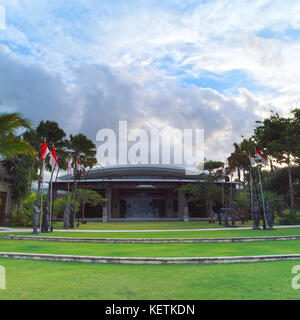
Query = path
x=9 y=230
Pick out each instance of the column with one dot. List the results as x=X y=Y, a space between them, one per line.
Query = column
x=169 y=204
x=181 y=204
x=108 y=196
x=116 y=204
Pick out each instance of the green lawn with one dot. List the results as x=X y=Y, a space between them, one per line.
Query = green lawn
x=157 y=225
x=64 y=280
x=153 y=250
x=222 y=233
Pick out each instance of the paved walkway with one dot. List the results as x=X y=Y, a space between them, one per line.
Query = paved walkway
x=148 y=240
x=149 y=260
x=10 y=230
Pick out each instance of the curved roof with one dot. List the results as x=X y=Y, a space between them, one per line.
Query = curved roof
x=137 y=172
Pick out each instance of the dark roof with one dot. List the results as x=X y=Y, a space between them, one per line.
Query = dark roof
x=136 y=171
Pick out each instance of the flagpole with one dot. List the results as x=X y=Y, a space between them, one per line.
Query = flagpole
x=262 y=196
x=51 y=201
x=222 y=192
x=230 y=191
x=41 y=203
x=68 y=188
x=251 y=192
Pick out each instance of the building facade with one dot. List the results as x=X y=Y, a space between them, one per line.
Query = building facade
x=138 y=193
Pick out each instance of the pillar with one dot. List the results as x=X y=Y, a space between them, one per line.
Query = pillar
x=181 y=204
x=108 y=196
x=116 y=204
x=169 y=204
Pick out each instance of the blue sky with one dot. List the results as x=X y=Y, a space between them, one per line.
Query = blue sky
x=88 y=63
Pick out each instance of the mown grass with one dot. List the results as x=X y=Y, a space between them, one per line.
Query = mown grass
x=157 y=225
x=63 y=280
x=222 y=233
x=153 y=250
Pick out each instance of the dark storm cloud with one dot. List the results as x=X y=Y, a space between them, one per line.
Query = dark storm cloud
x=99 y=96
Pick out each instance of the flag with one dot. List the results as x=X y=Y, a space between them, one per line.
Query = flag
x=70 y=170
x=260 y=156
x=80 y=168
x=231 y=170
x=252 y=159
x=44 y=151
x=223 y=170
x=53 y=158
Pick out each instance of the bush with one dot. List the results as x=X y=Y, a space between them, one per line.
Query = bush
x=289 y=219
x=22 y=212
x=60 y=203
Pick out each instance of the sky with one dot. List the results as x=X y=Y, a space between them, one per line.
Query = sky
x=216 y=65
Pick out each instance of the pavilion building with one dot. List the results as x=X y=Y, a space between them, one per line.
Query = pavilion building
x=139 y=193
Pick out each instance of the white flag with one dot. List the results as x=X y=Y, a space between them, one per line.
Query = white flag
x=260 y=156
x=70 y=169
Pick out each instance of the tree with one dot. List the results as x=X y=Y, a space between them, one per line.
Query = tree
x=12 y=144
x=50 y=132
x=21 y=170
x=82 y=149
x=279 y=138
x=60 y=204
x=90 y=198
x=241 y=200
x=239 y=158
x=206 y=189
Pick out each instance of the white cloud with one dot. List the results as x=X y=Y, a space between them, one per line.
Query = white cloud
x=89 y=64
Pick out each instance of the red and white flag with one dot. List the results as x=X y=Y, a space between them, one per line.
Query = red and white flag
x=260 y=156
x=70 y=170
x=252 y=158
x=231 y=170
x=223 y=170
x=53 y=158
x=45 y=151
x=80 y=167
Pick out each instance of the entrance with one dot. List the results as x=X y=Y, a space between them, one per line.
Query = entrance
x=143 y=208
x=145 y=204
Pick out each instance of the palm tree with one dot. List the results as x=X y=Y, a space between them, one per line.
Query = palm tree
x=82 y=149
x=11 y=143
x=54 y=135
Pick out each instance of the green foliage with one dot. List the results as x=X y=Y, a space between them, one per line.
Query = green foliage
x=206 y=189
x=277 y=202
x=288 y=218
x=241 y=199
x=22 y=212
x=54 y=135
x=279 y=137
x=211 y=165
x=60 y=203
x=239 y=158
x=89 y=197
x=23 y=170
x=83 y=148
x=11 y=144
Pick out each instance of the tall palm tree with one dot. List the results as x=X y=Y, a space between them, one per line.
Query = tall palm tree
x=11 y=142
x=82 y=149
x=54 y=135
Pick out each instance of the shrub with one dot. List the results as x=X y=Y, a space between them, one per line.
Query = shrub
x=22 y=212
x=289 y=219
